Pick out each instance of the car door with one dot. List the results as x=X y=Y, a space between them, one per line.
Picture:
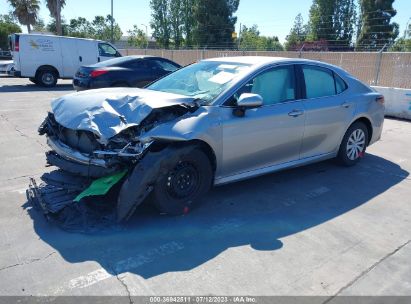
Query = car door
x=328 y=110
x=106 y=51
x=86 y=51
x=71 y=61
x=268 y=135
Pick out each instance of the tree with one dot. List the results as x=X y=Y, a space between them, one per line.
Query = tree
x=332 y=21
x=376 y=28
x=176 y=22
x=252 y=40
x=297 y=34
x=345 y=18
x=102 y=28
x=40 y=26
x=321 y=20
x=52 y=27
x=137 y=38
x=403 y=44
x=7 y=26
x=80 y=27
x=26 y=11
x=160 y=21
x=188 y=20
x=215 y=22
x=55 y=7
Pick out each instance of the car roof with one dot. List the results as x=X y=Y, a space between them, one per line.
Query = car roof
x=258 y=61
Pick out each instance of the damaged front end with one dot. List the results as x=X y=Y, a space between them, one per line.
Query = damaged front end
x=92 y=182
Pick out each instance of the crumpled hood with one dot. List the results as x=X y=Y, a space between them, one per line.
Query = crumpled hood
x=107 y=112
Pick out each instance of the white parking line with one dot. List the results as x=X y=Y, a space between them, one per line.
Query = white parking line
x=121 y=266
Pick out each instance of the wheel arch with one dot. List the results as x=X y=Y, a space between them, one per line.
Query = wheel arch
x=47 y=67
x=367 y=122
x=201 y=144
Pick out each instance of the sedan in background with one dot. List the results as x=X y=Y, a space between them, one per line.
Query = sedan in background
x=6 y=66
x=128 y=71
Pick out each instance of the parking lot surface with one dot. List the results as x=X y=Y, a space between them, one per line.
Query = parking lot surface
x=316 y=230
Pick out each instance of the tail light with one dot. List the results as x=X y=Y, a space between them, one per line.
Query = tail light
x=17 y=44
x=97 y=73
x=380 y=99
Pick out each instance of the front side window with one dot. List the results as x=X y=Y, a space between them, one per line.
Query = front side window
x=274 y=86
x=204 y=80
x=106 y=50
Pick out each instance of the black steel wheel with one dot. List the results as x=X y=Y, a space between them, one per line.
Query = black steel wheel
x=183 y=187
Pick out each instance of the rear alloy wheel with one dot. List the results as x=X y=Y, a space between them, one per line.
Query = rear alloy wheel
x=46 y=78
x=353 y=145
x=182 y=188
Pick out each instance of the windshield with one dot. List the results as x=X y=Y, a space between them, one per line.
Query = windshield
x=204 y=80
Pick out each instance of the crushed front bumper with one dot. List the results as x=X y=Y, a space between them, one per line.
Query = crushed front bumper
x=55 y=196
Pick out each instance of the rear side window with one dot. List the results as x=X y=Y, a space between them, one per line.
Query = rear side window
x=321 y=82
x=165 y=65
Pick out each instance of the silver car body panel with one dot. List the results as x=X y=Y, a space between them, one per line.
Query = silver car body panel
x=266 y=139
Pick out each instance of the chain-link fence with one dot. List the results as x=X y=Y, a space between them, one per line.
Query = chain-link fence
x=386 y=69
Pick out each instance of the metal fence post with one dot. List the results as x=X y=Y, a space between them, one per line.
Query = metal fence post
x=378 y=65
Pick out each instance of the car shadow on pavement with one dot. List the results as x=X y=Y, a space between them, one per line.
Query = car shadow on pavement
x=34 y=88
x=255 y=213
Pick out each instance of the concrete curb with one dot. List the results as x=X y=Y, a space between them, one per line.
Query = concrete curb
x=397 y=102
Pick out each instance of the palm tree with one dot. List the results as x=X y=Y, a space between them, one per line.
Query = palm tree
x=55 y=7
x=26 y=11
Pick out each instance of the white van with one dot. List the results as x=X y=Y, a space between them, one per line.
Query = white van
x=45 y=58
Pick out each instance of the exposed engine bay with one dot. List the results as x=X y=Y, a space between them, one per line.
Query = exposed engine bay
x=92 y=181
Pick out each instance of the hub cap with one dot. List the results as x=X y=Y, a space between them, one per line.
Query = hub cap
x=47 y=78
x=356 y=144
x=182 y=181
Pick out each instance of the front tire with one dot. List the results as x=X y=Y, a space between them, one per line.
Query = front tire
x=182 y=188
x=353 y=145
x=46 y=78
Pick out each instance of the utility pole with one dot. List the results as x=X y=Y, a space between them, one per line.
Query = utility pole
x=239 y=38
x=112 y=23
x=146 y=35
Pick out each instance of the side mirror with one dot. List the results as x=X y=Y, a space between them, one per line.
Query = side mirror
x=247 y=101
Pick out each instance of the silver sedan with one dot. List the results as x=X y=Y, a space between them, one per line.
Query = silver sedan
x=213 y=122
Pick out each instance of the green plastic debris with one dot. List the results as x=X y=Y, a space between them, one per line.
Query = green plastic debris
x=101 y=186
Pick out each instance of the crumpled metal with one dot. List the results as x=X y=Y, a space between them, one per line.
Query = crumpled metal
x=107 y=112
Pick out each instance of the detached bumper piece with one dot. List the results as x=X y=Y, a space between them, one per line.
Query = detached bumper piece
x=63 y=199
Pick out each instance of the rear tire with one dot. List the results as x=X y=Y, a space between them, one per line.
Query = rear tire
x=353 y=145
x=46 y=78
x=183 y=187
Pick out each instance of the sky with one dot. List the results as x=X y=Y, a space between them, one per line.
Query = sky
x=273 y=17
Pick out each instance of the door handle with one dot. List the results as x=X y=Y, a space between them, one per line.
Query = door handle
x=296 y=113
x=98 y=59
x=80 y=58
x=346 y=105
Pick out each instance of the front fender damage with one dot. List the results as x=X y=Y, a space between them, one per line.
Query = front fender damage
x=143 y=177
x=82 y=204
